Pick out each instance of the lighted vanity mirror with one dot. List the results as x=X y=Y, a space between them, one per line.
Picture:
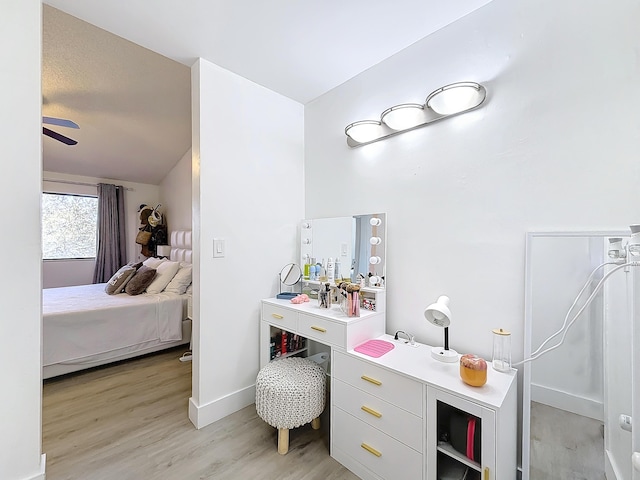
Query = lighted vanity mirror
x=574 y=393
x=358 y=242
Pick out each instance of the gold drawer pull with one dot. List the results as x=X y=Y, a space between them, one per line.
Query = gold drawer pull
x=371 y=450
x=370 y=411
x=318 y=329
x=277 y=315
x=486 y=473
x=372 y=380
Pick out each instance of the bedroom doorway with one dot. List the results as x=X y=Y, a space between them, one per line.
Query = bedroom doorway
x=133 y=109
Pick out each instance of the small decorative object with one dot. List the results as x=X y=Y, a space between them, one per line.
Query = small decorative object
x=302 y=298
x=501 y=350
x=473 y=370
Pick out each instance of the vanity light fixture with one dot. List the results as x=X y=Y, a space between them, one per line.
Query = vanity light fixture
x=375 y=240
x=375 y=222
x=444 y=102
x=439 y=315
x=375 y=260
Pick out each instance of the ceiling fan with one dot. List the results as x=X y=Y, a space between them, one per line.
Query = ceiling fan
x=61 y=122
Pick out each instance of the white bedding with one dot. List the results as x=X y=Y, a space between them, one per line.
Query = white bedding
x=84 y=321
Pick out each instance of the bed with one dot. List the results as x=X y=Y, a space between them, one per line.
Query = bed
x=83 y=327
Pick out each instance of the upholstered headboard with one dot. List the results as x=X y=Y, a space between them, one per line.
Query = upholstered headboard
x=181 y=246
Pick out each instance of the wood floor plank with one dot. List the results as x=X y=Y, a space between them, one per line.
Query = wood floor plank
x=129 y=421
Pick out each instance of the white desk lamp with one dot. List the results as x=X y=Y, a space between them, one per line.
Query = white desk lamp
x=439 y=314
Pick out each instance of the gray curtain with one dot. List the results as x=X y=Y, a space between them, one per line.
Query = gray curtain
x=112 y=242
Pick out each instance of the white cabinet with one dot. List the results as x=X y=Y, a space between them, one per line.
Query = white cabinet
x=454 y=420
x=328 y=326
x=377 y=426
x=400 y=416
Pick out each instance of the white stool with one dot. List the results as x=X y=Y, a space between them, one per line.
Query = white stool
x=290 y=393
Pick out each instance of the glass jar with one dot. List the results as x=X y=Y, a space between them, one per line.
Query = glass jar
x=501 y=350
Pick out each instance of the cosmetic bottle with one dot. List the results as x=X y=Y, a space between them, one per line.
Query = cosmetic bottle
x=307 y=264
x=330 y=270
x=312 y=272
x=336 y=270
x=322 y=272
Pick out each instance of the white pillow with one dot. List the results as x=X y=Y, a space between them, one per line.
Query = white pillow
x=165 y=272
x=181 y=280
x=153 y=262
x=189 y=289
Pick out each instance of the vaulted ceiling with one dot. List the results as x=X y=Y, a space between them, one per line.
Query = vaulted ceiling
x=120 y=69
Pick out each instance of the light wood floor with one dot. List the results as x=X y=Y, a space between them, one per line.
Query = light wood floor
x=130 y=422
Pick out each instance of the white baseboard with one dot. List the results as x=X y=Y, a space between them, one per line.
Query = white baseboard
x=567 y=401
x=43 y=466
x=203 y=415
x=611 y=470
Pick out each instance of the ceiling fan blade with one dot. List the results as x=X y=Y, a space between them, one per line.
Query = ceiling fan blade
x=57 y=136
x=61 y=122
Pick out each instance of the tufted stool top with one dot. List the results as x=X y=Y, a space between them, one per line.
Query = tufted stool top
x=290 y=392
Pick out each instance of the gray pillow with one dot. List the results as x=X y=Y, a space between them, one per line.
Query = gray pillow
x=140 y=281
x=119 y=280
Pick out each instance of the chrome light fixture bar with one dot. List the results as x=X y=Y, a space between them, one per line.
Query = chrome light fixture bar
x=444 y=102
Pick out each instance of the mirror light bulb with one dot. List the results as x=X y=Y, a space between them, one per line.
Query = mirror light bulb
x=375 y=222
x=375 y=240
x=375 y=260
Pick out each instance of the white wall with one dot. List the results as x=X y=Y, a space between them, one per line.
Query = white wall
x=248 y=190
x=554 y=148
x=20 y=328
x=59 y=273
x=175 y=195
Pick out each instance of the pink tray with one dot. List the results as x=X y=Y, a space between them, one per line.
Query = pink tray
x=375 y=348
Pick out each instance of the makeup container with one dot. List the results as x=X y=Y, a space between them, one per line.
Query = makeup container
x=501 y=350
x=324 y=296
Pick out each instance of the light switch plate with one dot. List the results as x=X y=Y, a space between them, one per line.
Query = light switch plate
x=219 y=249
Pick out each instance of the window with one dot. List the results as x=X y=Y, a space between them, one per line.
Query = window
x=69 y=225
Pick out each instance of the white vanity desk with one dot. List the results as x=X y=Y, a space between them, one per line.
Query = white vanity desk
x=385 y=411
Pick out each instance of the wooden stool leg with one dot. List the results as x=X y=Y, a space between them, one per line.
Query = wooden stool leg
x=315 y=423
x=283 y=441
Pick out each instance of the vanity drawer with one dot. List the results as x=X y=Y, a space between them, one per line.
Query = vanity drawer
x=394 y=421
x=377 y=451
x=323 y=330
x=385 y=384
x=282 y=317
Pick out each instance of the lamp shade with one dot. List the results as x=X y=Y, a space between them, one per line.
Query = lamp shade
x=364 y=130
x=163 y=250
x=456 y=98
x=402 y=117
x=438 y=313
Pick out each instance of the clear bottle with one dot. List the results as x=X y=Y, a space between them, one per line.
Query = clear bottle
x=322 y=271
